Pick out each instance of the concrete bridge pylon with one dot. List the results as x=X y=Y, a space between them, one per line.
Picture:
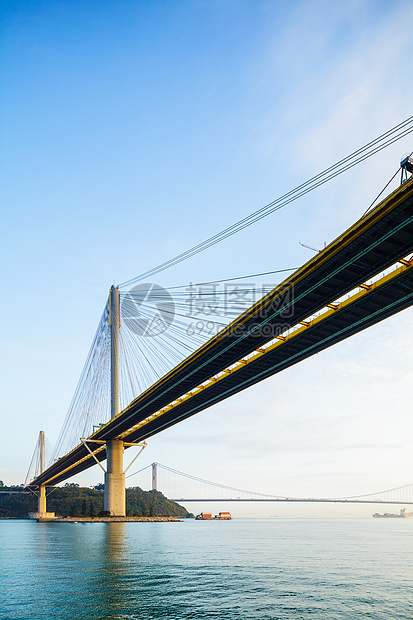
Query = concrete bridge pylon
x=114 y=491
x=41 y=513
x=114 y=494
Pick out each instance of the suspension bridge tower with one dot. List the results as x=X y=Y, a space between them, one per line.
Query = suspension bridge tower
x=114 y=494
x=41 y=498
x=41 y=503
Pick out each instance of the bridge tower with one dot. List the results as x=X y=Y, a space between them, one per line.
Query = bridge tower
x=39 y=455
x=114 y=495
x=41 y=501
x=154 y=476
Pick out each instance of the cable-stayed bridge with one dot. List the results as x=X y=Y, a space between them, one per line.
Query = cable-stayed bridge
x=359 y=279
x=183 y=487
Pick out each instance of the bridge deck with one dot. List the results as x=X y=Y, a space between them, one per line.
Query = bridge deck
x=371 y=245
x=295 y=500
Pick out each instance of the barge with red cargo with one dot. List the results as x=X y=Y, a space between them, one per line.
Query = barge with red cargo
x=207 y=516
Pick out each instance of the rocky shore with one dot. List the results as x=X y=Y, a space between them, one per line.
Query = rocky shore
x=112 y=519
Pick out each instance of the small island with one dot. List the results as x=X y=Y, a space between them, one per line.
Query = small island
x=72 y=502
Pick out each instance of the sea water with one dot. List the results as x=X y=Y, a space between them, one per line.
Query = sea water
x=246 y=568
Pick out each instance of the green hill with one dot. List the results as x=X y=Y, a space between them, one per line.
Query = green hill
x=74 y=501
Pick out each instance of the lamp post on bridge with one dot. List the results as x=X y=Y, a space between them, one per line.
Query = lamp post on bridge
x=114 y=495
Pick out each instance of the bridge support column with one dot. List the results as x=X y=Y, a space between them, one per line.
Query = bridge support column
x=115 y=496
x=41 y=502
x=41 y=514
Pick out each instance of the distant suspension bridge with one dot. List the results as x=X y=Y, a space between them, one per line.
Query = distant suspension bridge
x=182 y=487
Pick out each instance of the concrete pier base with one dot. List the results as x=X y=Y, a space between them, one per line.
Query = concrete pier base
x=41 y=513
x=115 y=496
x=42 y=516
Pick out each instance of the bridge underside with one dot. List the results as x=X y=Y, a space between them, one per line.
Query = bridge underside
x=241 y=355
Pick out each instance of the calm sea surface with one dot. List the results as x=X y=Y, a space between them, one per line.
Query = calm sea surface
x=275 y=568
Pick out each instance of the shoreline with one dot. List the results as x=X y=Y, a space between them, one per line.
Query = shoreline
x=98 y=519
x=112 y=520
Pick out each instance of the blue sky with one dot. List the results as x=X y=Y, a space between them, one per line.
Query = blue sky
x=131 y=131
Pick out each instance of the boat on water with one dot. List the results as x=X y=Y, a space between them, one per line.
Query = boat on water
x=207 y=516
x=387 y=515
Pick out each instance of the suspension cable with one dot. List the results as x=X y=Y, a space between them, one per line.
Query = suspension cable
x=374 y=146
